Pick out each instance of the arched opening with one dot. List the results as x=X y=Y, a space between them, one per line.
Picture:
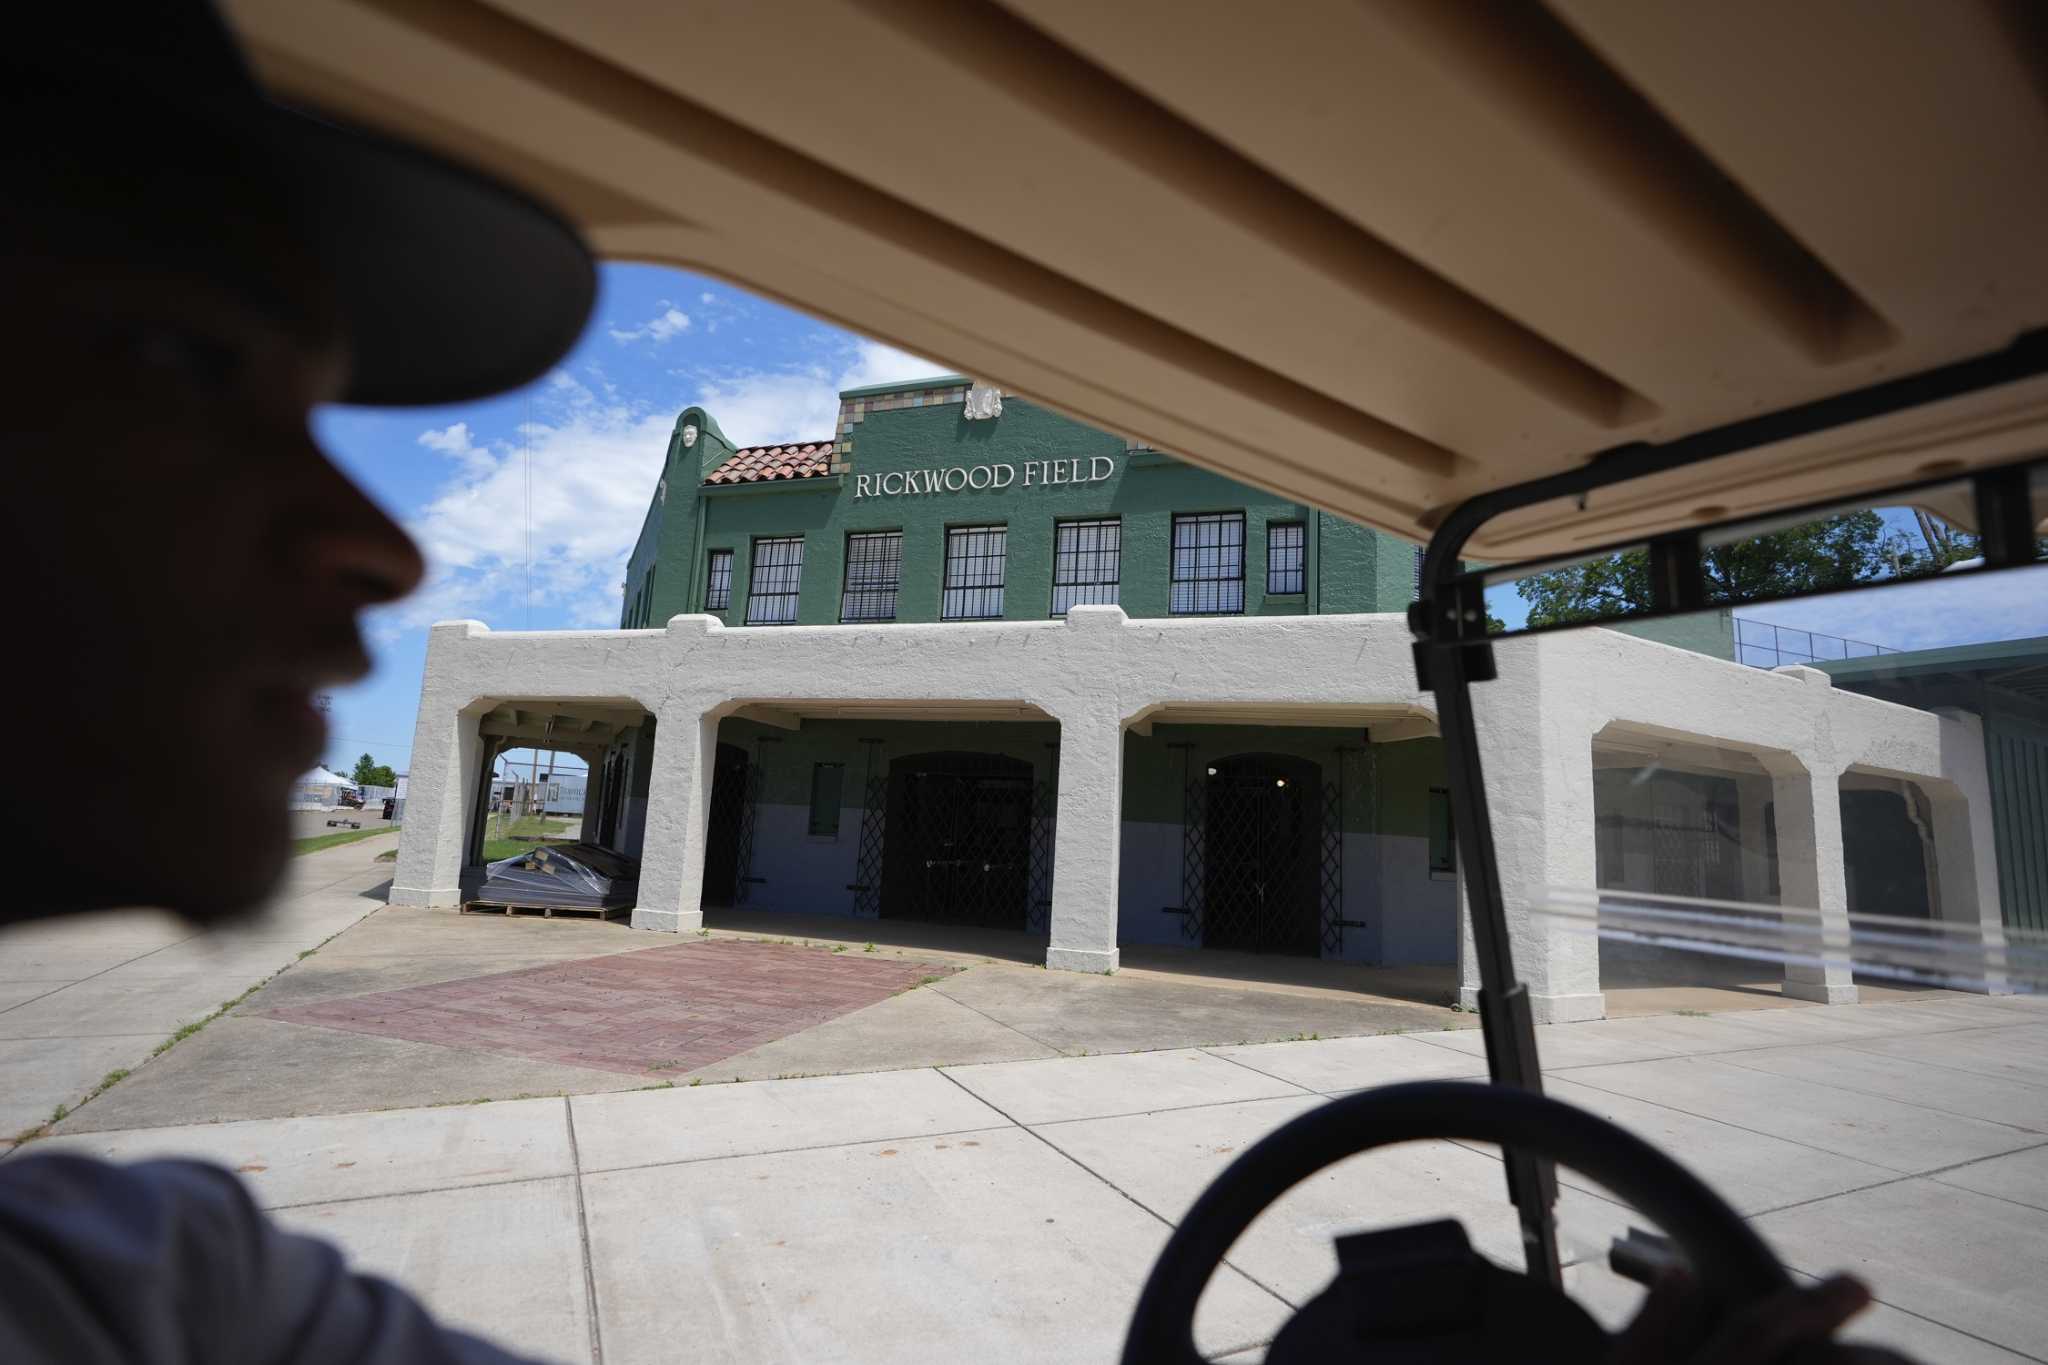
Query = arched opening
x=1262 y=846
x=959 y=840
x=1884 y=854
x=722 y=828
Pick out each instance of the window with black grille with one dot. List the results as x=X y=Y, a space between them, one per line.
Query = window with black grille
x=778 y=576
x=1087 y=561
x=1208 y=565
x=1418 y=574
x=874 y=570
x=718 y=581
x=975 y=560
x=1286 y=557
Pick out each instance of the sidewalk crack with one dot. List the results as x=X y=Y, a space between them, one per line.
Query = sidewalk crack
x=583 y=1235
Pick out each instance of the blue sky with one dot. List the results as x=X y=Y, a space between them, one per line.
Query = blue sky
x=592 y=435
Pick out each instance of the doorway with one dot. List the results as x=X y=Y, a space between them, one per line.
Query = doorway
x=722 y=828
x=1261 y=859
x=959 y=840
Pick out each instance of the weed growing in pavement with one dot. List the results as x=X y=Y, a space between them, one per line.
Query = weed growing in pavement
x=839 y=947
x=1694 y=1014
x=869 y=949
x=57 y=1116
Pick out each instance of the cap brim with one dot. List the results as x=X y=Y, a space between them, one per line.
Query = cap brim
x=453 y=286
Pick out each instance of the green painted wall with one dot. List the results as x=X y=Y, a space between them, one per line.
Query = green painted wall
x=786 y=756
x=1350 y=568
x=1386 y=786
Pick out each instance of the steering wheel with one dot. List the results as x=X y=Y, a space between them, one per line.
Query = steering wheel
x=1729 y=1261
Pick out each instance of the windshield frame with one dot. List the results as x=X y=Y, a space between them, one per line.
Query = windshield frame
x=1453 y=652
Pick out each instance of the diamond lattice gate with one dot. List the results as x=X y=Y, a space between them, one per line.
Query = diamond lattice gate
x=867 y=867
x=1260 y=871
x=960 y=842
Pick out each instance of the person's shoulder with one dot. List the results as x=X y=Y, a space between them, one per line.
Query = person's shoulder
x=173 y=1261
x=97 y=1261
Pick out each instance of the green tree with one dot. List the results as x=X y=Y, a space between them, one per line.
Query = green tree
x=370 y=773
x=1820 y=556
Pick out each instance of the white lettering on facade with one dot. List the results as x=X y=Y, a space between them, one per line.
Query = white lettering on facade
x=954 y=478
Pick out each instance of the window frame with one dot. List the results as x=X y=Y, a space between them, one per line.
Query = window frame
x=1444 y=864
x=793 y=594
x=1174 y=579
x=1115 y=553
x=1300 y=551
x=811 y=822
x=847 y=590
x=947 y=588
x=711 y=579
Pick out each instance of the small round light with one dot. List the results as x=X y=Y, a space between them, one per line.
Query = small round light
x=1212 y=772
x=1279 y=781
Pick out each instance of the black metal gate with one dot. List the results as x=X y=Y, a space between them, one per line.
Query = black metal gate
x=867 y=863
x=1044 y=824
x=728 y=828
x=959 y=846
x=1330 y=870
x=1254 y=857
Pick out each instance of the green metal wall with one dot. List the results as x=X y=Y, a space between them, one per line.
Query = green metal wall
x=2016 y=749
x=1350 y=568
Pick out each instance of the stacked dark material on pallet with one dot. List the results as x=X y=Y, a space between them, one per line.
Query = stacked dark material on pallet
x=560 y=876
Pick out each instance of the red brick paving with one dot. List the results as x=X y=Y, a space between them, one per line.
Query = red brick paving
x=656 y=1013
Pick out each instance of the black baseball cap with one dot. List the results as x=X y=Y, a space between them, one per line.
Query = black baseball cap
x=451 y=285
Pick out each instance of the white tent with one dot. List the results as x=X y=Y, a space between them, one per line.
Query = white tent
x=319 y=789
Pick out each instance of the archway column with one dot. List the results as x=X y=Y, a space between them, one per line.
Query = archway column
x=1087 y=852
x=448 y=761
x=1965 y=843
x=678 y=814
x=1536 y=743
x=1807 y=804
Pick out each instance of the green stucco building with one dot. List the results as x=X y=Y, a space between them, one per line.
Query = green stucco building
x=938 y=502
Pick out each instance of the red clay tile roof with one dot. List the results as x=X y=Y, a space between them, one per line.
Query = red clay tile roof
x=757 y=464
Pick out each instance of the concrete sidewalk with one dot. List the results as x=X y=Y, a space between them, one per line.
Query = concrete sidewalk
x=1010 y=1210
x=87 y=995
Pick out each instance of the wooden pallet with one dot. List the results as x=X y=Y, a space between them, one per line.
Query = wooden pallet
x=546 y=911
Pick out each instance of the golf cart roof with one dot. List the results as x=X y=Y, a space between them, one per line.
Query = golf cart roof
x=1377 y=257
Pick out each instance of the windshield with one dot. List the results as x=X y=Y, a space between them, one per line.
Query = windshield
x=1777 y=878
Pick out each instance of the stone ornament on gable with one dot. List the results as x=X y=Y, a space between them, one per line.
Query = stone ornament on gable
x=689 y=434
x=984 y=400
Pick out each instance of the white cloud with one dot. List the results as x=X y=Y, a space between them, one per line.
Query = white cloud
x=672 y=322
x=586 y=464
x=801 y=403
x=456 y=443
x=585 y=467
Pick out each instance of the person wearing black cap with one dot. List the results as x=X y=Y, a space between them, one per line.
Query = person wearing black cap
x=188 y=270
